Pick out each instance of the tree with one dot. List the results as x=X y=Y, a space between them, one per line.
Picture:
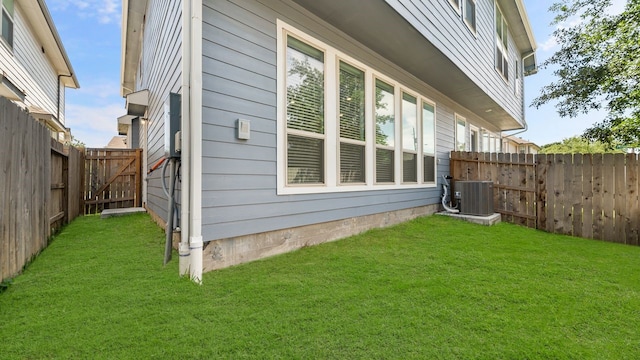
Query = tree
x=575 y=145
x=598 y=67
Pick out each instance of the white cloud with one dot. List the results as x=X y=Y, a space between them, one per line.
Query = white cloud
x=93 y=125
x=105 y=11
x=98 y=89
x=549 y=44
x=617 y=6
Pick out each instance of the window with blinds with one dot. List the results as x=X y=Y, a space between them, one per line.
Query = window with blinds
x=409 y=138
x=385 y=133
x=343 y=126
x=428 y=142
x=352 y=128
x=502 y=58
x=305 y=113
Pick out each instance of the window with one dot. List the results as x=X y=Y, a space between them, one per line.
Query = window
x=502 y=57
x=305 y=113
x=385 y=133
x=522 y=149
x=428 y=142
x=461 y=130
x=409 y=138
x=7 y=21
x=473 y=137
x=517 y=82
x=456 y=4
x=352 y=129
x=470 y=14
x=343 y=126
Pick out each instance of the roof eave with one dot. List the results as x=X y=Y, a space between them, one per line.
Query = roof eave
x=527 y=24
x=132 y=20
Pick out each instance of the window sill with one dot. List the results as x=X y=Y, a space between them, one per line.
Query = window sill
x=291 y=190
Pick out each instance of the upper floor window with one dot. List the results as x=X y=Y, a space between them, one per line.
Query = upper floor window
x=469 y=14
x=7 y=21
x=502 y=57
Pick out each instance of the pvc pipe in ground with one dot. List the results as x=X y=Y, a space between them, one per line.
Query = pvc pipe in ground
x=184 y=259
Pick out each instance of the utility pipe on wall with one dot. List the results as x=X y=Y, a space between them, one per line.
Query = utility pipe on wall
x=192 y=138
x=195 y=102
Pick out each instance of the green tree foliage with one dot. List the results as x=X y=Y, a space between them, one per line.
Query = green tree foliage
x=576 y=145
x=598 y=67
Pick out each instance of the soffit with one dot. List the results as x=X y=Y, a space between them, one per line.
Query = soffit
x=399 y=42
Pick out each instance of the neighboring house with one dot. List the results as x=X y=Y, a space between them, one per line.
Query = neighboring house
x=34 y=67
x=349 y=110
x=518 y=145
x=117 y=142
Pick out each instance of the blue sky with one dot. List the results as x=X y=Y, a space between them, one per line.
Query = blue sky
x=90 y=31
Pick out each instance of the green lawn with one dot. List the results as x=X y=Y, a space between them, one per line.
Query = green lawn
x=430 y=288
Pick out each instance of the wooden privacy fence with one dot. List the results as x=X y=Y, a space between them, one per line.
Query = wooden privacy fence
x=587 y=195
x=112 y=179
x=39 y=187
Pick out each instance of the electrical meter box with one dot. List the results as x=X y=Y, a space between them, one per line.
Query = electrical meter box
x=172 y=115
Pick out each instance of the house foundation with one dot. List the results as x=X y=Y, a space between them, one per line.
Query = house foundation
x=219 y=254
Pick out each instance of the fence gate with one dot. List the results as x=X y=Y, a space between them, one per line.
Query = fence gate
x=113 y=179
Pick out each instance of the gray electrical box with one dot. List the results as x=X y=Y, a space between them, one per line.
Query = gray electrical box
x=172 y=115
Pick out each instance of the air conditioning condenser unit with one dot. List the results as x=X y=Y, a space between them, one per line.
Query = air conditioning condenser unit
x=476 y=197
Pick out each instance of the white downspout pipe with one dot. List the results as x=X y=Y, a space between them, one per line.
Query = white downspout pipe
x=193 y=11
x=196 y=242
x=185 y=132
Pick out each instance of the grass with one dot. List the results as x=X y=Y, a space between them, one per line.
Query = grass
x=432 y=288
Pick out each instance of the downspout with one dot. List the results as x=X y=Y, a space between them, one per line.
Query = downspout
x=195 y=239
x=58 y=111
x=191 y=231
x=185 y=132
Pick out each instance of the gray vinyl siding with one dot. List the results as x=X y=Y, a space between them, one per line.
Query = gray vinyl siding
x=474 y=54
x=239 y=81
x=159 y=71
x=29 y=68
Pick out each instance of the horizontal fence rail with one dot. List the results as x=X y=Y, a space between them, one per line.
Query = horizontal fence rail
x=587 y=195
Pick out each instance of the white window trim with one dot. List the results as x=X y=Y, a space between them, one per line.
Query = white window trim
x=332 y=183
x=456 y=5
x=458 y=117
x=368 y=136
x=473 y=128
x=7 y=44
x=498 y=42
x=435 y=141
x=418 y=151
x=474 y=31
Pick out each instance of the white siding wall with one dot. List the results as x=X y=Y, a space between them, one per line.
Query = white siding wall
x=473 y=53
x=29 y=68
